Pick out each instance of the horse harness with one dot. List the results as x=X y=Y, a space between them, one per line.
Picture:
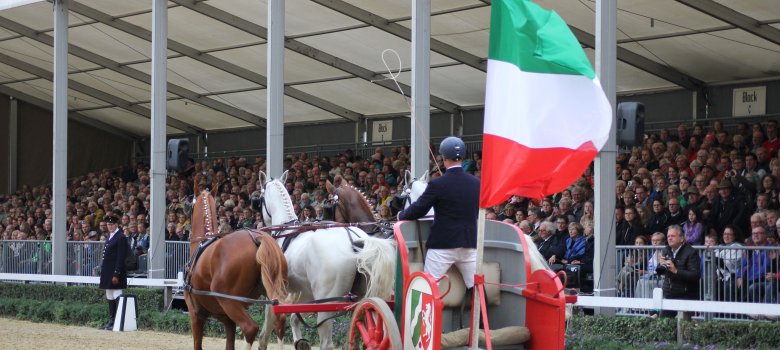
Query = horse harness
x=297 y=228
x=190 y=266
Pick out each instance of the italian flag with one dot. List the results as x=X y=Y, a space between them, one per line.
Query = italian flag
x=546 y=116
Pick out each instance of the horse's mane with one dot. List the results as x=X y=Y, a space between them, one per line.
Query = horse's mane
x=286 y=200
x=204 y=214
x=358 y=193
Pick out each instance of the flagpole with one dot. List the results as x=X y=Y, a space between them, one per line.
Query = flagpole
x=475 y=315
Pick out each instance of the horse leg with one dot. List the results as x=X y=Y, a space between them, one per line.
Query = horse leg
x=240 y=316
x=268 y=326
x=230 y=332
x=197 y=323
x=325 y=330
x=295 y=324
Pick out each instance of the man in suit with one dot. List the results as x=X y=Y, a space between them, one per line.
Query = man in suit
x=455 y=200
x=113 y=277
x=681 y=266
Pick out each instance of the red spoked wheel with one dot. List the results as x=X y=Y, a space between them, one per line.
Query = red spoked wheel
x=373 y=327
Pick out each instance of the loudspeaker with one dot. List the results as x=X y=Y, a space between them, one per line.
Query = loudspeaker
x=631 y=124
x=177 y=154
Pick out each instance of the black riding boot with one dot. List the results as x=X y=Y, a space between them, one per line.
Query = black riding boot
x=112 y=306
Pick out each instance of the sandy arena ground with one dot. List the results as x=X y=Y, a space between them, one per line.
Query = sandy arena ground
x=23 y=335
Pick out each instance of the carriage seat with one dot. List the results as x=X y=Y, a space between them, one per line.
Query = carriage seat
x=454 y=298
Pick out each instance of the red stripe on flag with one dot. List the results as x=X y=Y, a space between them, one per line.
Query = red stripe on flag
x=509 y=168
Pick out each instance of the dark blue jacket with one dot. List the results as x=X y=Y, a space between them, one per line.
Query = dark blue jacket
x=455 y=201
x=114 y=253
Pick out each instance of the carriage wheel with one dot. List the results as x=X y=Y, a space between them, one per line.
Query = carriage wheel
x=373 y=327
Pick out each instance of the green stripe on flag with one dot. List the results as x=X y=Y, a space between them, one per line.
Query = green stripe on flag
x=534 y=39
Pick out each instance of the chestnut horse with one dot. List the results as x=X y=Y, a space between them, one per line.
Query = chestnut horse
x=351 y=205
x=240 y=264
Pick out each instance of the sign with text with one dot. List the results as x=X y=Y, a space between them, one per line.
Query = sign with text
x=749 y=101
x=383 y=131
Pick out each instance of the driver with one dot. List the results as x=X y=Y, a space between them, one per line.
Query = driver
x=455 y=200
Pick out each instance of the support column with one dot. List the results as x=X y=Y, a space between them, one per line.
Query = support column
x=158 y=141
x=606 y=55
x=13 y=145
x=275 y=89
x=421 y=74
x=60 y=137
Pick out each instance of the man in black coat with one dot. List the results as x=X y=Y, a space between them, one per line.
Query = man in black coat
x=552 y=248
x=681 y=265
x=455 y=200
x=113 y=277
x=728 y=209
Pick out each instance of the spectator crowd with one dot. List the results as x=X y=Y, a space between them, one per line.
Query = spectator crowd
x=720 y=186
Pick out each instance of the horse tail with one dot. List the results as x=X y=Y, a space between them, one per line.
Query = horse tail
x=537 y=260
x=273 y=268
x=377 y=262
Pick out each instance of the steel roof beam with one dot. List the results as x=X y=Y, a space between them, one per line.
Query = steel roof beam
x=309 y=51
x=133 y=73
x=92 y=122
x=96 y=93
x=664 y=72
x=213 y=61
x=402 y=32
x=741 y=21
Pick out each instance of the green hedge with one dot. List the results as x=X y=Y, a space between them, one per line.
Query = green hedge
x=147 y=298
x=642 y=332
x=86 y=306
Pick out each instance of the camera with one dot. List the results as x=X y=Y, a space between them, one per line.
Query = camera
x=662 y=268
x=731 y=173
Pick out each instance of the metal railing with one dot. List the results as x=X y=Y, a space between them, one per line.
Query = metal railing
x=728 y=273
x=82 y=258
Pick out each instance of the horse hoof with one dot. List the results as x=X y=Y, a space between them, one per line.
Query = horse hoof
x=302 y=344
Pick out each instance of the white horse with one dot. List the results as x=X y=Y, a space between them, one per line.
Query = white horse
x=324 y=263
x=415 y=188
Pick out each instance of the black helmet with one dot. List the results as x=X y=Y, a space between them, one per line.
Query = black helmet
x=452 y=148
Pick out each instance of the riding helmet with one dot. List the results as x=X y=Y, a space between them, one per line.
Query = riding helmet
x=452 y=148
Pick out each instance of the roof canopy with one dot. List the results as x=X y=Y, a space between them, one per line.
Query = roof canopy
x=335 y=68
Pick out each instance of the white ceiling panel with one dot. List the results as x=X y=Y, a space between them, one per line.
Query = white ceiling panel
x=8 y=73
x=198 y=77
x=364 y=46
x=460 y=84
x=35 y=88
x=207 y=34
x=203 y=117
x=37 y=16
x=762 y=10
x=714 y=58
x=467 y=30
x=358 y=95
x=125 y=120
x=391 y=9
x=115 y=84
x=119 y=8
x=297 y=68
x=40 y=55
x=301 y=16
x=111 y=43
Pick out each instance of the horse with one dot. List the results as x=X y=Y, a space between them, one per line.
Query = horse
x=350 y=205
x=244 y=264
x=324 y=262
x=414 y=188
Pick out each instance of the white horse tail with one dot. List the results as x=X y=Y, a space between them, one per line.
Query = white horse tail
x=537 y=260
x=376 y=261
